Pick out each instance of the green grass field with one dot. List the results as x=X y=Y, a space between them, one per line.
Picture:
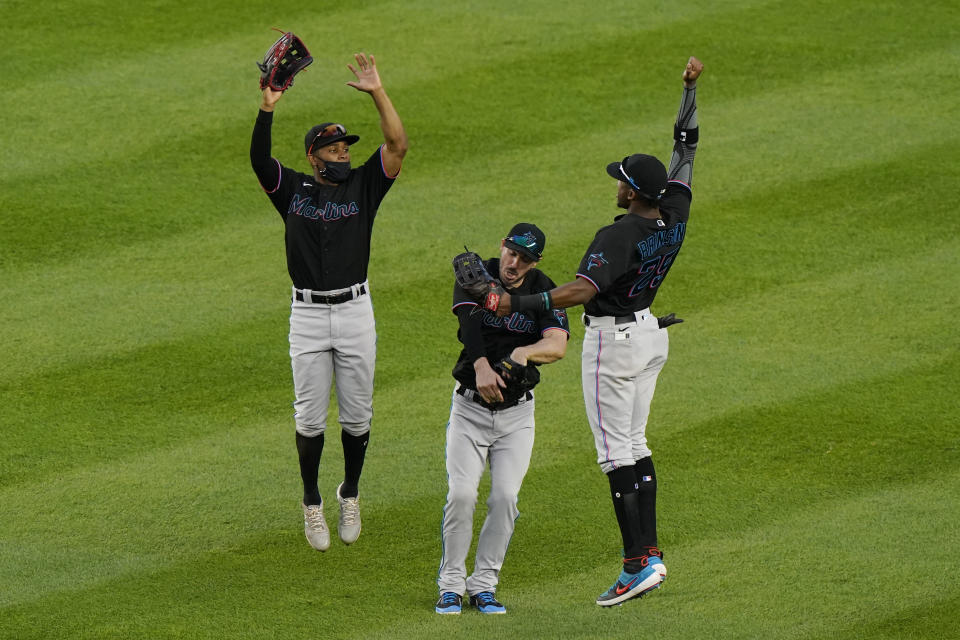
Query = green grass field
x=806 y=429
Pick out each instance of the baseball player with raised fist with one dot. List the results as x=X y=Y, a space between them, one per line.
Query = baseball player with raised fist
x=624 y=344
x=491 y=413
x=328 y=218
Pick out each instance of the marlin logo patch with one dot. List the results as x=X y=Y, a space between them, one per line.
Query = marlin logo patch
x=529 y=240
x=596 y=260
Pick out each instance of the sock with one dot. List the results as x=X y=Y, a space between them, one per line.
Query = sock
x=647 y=504
x=623 y=491
x=354 y=451
x=309 y=451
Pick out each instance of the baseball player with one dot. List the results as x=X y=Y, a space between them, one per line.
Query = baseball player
x=624 y=345
x=491 y=419
x=328 y=218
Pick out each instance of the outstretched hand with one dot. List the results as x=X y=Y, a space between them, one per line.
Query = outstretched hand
x=692 y=71
x=270 y=99
x=368 y=80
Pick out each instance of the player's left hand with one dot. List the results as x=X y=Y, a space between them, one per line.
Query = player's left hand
x=368 y=79
x=270 y=98
x=692 y=71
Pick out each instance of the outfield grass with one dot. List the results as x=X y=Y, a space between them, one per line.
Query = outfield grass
x=805 y=429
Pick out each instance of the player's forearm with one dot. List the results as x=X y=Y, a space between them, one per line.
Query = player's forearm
x=394 y=134
x=266 y=168
x=686 y=136
x=565 y=296
x=260 y=142
x=471 y=332
x=550 y=348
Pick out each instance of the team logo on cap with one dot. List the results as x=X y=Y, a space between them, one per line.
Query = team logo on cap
x=596 y=260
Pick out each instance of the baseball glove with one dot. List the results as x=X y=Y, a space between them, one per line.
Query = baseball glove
x=474 y=278
x=667 y=320
x=519 y=378
x=286 y=58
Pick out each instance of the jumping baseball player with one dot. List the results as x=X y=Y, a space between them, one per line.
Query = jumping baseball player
x=624 y=345
x=491 y=419
x=328 y=218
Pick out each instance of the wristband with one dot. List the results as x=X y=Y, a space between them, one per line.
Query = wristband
x=686 y=136
x=536 y=302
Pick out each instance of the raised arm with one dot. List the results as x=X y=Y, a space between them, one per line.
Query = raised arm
x=686 y=133
x=266 y=168
x=394 y=136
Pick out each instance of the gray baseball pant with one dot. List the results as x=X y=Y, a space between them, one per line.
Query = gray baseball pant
x=619 y=370
x=330 y=342
x=474 y=436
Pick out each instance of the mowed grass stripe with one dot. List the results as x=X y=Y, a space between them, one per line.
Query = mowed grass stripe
x=169 y=206
x=159 y=288
x=833 y=468
x=817 y=333
x=796 y=577
x=416 y=77
x=110 y=402
x=745 y=470
x=222 y=132
x=194 y=498
x=759 y=573
x=496 y=35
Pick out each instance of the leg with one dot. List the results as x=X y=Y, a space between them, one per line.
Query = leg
x=509 y=461
x=312 y=373
x=623 y=492
x=466 y=458
x=607 y=371
x=653 y=350
x=354 y=452
x=354 y=357
x=312 y=365
x=309 y=451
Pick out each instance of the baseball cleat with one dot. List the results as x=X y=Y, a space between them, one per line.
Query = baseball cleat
x=449 y=603
x=486 y=603
x=631 y=585
x=657 y=563
x=315 y=527
x=349 y=524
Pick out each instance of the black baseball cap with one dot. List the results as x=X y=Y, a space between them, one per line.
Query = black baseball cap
x=645 y=174
x=326 y=133
x=527 y=239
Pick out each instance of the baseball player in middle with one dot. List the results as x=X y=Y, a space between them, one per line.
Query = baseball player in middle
x=491 y=419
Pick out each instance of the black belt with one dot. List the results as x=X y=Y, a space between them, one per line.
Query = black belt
x=317 y=298
x=472 y=394
x=617 y=320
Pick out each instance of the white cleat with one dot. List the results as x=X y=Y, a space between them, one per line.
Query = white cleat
x=349 y=525
x=315 y=527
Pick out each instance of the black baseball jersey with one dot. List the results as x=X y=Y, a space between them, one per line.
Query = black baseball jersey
x=327 y=227
x=628 y=260
x=498 y=337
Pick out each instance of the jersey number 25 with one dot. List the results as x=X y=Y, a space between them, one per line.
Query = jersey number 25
x=653 y=271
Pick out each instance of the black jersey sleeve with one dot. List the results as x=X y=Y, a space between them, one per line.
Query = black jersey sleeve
x=471 y=333
x=267 y=168
x=375 y=178
x=550 y=318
